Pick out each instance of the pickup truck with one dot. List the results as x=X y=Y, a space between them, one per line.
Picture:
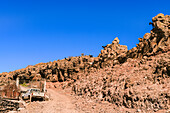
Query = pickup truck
x=34 y=93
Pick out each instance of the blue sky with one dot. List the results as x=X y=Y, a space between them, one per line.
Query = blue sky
x=34 y=31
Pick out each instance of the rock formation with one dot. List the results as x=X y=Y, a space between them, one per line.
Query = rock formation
x=68 y=68
x=139 y=84
x=155 y=42
x=136 y=79
x=108 y=56
x=142 y=81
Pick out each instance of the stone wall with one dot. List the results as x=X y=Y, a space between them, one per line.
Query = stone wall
x=10 y=105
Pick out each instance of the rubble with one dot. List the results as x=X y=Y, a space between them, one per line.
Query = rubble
x=10 y=105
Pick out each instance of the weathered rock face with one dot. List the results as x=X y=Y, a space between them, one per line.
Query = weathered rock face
x=108 y=56
x=68 y=68
x=136 y=84
x=142 y=81
x=155 y=42
x=138 y=78
x=61 y=70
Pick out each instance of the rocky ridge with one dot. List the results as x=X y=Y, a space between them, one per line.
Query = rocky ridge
x=136 y=79
x=68 y=68
x=141 y=78
x=155 y=42
x=138 y=84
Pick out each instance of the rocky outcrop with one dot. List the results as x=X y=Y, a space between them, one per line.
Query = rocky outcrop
x=137 y=84
x=138 y=78
x=155 y=42
x=68 y=68
x=141 y=78
x=152 y=43
x=60 y=70
x=109 y=56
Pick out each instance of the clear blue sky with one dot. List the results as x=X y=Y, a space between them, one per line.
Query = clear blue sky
x=34 y=31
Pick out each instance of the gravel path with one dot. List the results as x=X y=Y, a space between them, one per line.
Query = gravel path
x=58 y=103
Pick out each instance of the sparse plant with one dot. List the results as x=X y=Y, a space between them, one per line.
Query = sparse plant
x=24 y=84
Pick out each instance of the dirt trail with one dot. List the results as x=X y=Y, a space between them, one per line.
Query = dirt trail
x=58 y=103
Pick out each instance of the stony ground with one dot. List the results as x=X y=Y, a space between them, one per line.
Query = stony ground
x=58 y=103
x=63 y=102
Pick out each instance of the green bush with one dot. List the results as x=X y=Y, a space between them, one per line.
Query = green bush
x=24 y=84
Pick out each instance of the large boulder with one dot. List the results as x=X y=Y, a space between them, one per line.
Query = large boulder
x=155 y=42
x=108 y=56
